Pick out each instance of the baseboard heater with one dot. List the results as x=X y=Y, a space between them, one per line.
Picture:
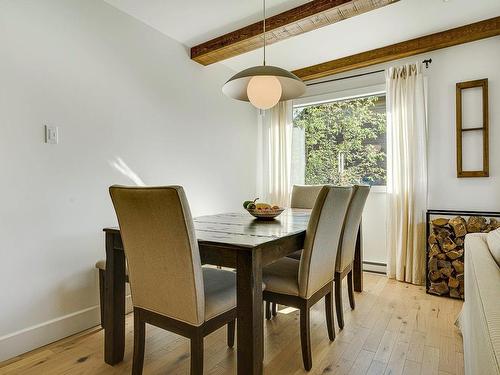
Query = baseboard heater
x=375 y=267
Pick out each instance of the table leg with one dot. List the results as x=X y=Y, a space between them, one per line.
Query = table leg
x=114 y=304
x=358 y=261
x=250 y=315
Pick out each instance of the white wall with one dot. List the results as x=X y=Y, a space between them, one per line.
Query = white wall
x=451 y=65
x=115 y=88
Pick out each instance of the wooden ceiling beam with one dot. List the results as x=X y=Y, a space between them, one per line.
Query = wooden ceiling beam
x=459 y=35
x=304 y=18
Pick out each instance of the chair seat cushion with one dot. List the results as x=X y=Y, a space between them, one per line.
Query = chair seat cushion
x=101 y=264
x=282 y=276
x=295 y=255
x=220 y=291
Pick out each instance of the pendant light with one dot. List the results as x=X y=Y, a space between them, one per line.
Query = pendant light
x=265 y=85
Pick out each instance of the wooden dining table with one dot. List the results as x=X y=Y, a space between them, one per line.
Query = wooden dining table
x=234 y=240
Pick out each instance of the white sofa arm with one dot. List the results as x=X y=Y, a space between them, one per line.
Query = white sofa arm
x=481 y=311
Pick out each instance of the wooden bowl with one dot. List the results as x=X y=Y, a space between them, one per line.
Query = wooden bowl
x=266 y=214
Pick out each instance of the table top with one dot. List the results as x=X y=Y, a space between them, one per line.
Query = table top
x=243 y=230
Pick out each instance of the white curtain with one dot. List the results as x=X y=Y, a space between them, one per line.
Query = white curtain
x=406 y=172
x=274 y=150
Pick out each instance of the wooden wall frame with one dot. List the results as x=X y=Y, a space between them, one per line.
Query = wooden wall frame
x=483 y=83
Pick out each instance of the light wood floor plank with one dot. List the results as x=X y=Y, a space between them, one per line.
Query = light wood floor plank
x=430 y=362
x=376 y=368
x=373 y=341
x=447 y=355
x=362 y=363
x=386 y=346
x=416 y=349
x=397 y=360
x=412 y=368
x=460 y=364
x=356 y=345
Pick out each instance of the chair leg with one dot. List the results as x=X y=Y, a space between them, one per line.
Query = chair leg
x=350 y=290
x=330 y=325
x=338 y=302
x=305 y=337
x=274 y=308
x=268 y=310
x=101 y=295
x=230 y=333
x=139 y=338
x=197 y=354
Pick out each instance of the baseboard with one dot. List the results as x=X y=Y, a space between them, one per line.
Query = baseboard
x=27 y=339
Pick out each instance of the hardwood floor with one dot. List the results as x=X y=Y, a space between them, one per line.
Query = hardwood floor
x=395 y=329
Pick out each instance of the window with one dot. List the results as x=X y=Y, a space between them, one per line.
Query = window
x=340 y=141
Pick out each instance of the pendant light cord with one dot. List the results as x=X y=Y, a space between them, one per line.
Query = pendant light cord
x=264 y=27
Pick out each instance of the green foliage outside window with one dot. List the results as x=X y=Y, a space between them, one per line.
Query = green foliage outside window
x=345 y=141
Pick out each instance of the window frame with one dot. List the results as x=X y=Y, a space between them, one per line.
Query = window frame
x=334 y=96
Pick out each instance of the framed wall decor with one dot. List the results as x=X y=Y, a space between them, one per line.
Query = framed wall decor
x=472 y=128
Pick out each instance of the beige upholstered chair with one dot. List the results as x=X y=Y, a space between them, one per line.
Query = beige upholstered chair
x=169 y=287
x=304 y=196
x=302 y=283
x=345 y=256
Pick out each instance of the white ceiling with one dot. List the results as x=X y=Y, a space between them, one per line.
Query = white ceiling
x=194 y=21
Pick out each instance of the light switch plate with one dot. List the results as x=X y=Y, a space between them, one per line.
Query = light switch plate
x=51 y=134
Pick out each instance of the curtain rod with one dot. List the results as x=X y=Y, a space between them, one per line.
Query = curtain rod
x=426 y=62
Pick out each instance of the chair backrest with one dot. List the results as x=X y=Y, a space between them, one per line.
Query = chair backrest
x=347 y=248
x=159 y=240
x=317 y=263
x=304 y=196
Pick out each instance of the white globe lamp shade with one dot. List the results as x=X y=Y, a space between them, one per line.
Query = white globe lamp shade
x=238 y=86
x=264 y=92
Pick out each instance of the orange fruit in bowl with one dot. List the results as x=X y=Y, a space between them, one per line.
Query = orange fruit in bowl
x=263 y=205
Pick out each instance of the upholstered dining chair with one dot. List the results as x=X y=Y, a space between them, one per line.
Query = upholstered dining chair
x=302 y=283
x=303 y=196
x=170 y=289
x=345 y=255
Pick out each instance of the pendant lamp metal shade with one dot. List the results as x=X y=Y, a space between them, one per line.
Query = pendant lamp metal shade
x=291 y=85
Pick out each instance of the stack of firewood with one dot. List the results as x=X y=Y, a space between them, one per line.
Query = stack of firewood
x=445 y=255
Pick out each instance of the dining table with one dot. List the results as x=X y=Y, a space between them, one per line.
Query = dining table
x=235 y=240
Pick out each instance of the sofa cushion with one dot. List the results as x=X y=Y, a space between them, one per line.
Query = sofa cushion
x=493 y=240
